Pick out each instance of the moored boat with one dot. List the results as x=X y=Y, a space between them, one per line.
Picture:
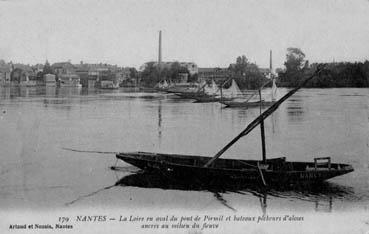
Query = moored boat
x=273 y=171
x=215 y=94
x=250 y=102
x=162 y=86
x=182 y=88
x=235 y=103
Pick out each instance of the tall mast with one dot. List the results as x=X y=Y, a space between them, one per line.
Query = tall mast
x=270 y=64
x=272 y=77
x=262 y=133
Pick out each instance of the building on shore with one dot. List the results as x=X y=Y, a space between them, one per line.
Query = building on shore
x=102 y=75
x=66 y=74
x=191 y=66
x=108 y=79
x=63 y=68
x=50 y=79
x=124 y=77
x=69 y=80
x=82 y=71
x=5 y=70
x=23 y=75
x=213 y=73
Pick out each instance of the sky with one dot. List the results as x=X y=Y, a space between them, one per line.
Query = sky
x=211 y=33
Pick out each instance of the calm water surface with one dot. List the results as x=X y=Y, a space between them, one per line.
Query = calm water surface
x=40 y=126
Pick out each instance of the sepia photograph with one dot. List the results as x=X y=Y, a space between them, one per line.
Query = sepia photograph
x=184 y=116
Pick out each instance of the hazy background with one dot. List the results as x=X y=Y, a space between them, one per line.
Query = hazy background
x=208 y=32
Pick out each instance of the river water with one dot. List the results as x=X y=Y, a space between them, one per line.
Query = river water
x=46 y=133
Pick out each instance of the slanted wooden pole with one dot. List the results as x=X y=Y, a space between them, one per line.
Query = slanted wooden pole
x=262 y=133
x=263 y=116
x=261 y=174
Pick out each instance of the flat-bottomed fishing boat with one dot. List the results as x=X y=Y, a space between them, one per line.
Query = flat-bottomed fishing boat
x=273 y=171
x=249 y=103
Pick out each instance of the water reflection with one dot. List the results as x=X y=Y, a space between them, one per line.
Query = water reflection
x=322 y=195
x=159 y=122
x=295 y=110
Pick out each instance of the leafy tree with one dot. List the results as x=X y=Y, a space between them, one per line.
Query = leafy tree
x=151 y=75
x=295 y=64
x=133 y=73
x=247 y=75
x=241 y=65
x=17 y=75
x=295 y=59
x=47 y=68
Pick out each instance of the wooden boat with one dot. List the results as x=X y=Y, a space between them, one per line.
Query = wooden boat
x=202 y=97
x=182 y=88
x=253 y=103
x=232 y=103
x=189 y=94
x=162 y=86
x=188 y=91
x=210 y=98
x=273 y=171
x=204 y=93
x=210 y=93
x=216 y=94
x=265 y=171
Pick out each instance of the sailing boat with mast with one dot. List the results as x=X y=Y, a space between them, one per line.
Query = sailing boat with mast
x=250 y=101
x=214 y=170
x=216 y=94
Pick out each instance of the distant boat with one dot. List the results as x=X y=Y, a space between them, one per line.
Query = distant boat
x=250 y=102
x=186 y=90
x=183 y=88
x=212 y=89
x=212 y=170
x=233 y=91
x=215 y=94
x=201 y=90
x=162 y=86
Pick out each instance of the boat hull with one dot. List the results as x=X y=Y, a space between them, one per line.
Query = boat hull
x=247 y=104
x=187 y=167
x=188 y=95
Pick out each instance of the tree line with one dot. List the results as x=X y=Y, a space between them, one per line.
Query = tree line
x=152 y=74
x=246 y=74
x=341 y=74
